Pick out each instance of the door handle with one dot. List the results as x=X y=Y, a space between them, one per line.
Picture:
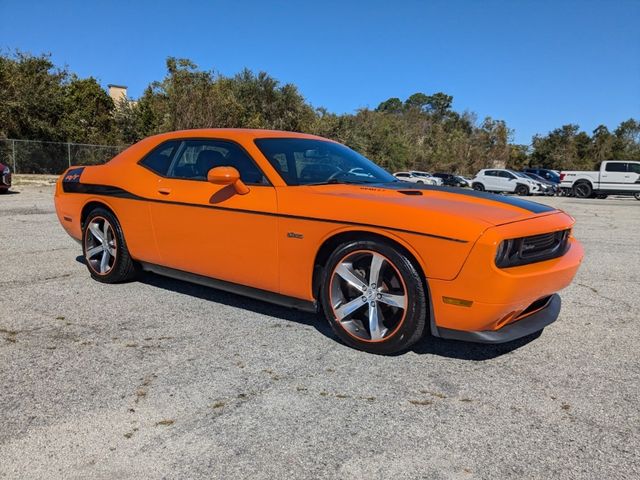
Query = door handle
x=164 y=190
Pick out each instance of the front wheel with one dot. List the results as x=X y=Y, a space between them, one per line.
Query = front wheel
x=478 y=187
x=522 y=190
x=373 y=297
x=104 y=248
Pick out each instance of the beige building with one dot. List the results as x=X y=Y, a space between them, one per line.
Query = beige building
x=118 y=93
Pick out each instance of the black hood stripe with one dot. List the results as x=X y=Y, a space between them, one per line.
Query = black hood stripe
x=110 y=191
x=528 y=205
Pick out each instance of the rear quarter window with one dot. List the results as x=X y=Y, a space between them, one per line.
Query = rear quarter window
x=159 y=159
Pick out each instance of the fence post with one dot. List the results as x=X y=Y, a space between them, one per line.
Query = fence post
x=69 y=153
x=13 y=155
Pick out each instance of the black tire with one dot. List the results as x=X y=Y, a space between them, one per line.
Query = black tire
x=402 y=332
x=636 y=196
x=478 y=187
x=420 y=181
x=583 y=190
x=122 y=268
x=522 y=190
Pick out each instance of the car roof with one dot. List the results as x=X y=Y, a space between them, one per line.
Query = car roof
x=232 y=134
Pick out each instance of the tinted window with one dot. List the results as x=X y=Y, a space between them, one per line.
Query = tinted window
x=634 y=167
x=310 y=161
x=616 y=167
x=195 y=158
x=491 y=173
x=159 y=159
x=403 y=175
x=504 y=174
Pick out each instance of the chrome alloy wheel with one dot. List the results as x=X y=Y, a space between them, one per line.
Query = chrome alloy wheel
x=368 y=296
x=100 y=246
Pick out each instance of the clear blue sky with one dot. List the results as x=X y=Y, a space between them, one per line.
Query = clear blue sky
x=536 y=64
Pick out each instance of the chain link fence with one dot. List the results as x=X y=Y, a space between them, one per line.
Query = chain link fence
x=53 y=158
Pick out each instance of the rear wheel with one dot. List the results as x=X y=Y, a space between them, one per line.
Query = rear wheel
x=582 y=190
x=522 y=190
x=478 y=187
x=373 y=297
x=637 y=196
x=104 y=248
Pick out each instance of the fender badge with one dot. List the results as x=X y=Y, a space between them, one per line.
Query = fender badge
x=298 y=236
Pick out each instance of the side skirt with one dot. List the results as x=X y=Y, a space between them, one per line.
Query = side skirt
x=255 y=293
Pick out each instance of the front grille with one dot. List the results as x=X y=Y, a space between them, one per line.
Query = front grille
x=537 y=248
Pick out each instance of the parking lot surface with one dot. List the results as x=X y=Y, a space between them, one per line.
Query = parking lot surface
x=163 y=379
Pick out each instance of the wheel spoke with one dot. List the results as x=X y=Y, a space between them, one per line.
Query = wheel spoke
x=376 y=266
x=106 y=229
x=347 y=273
x=92 y=252
x=104 y=263
x=376 y=329
x=112 y=250
x=94 y=228
x=399 y=301
x=348 y=308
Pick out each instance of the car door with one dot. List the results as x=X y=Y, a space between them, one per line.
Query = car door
x=507 y=181
x=633 y=177
x=210 y=229
x=491 y=180
x=614 y=176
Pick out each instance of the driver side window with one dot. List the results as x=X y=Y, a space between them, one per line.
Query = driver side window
x=195 y=158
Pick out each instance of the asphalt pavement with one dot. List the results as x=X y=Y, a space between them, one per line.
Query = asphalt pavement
x=163 y=379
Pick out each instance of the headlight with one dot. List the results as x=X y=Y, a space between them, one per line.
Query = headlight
x=6 y=171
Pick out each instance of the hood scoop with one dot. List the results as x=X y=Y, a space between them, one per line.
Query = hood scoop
x=410 y=192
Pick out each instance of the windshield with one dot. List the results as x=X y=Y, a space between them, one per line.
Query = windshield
x=521 y=175
x=303 y=161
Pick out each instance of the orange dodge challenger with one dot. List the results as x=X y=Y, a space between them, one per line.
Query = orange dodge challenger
x=306 y=222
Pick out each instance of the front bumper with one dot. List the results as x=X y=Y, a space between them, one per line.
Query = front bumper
x=521 y=328
x=484 y=298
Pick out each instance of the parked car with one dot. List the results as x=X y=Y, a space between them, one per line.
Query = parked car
x=503 y=180
x=412 y=178
x=549 y=175
x=5 y=178
x=233 y=209
x=547 y=187
x=615 y=177
x=451 y=180
x=419 y=174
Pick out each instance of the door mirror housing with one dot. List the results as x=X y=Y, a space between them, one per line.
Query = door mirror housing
x=227 y=176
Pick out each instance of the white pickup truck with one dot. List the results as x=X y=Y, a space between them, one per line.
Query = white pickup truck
x=615 y=177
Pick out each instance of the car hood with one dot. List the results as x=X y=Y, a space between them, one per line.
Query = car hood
x=440 y=211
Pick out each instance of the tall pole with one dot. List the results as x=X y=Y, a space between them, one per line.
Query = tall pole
x=13 y=154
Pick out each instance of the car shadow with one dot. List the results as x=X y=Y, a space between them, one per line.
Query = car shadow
x=429 y=345
x=10 y=192
x=469 y=351
x=237 y=301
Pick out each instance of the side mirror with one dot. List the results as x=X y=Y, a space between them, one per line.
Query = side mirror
x=227 y=176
